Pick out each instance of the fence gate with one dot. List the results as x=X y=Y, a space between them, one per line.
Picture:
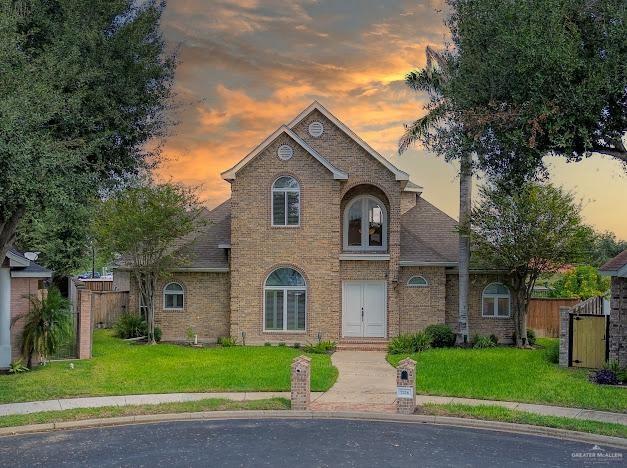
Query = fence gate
x=69 y=348
x=589 y=344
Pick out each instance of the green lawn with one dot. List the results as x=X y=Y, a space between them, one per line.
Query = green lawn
x=212 y=404
x=122 y=368
x=497 y=413
x=510 y=374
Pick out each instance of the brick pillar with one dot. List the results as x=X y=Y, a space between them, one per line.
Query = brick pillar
x=301 y=383
x=406 y=386
x=564 y=336
x=84 y=329
x=618 y=322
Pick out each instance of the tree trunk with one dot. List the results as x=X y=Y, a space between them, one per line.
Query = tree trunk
x=8 y=229
x=465 y=206
x=519 y=311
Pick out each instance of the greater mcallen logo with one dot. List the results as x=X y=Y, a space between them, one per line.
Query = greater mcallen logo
x=599 y=454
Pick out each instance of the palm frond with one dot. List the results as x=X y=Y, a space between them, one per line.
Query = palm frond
x=419 y=129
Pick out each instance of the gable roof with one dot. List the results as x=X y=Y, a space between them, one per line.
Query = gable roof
x=617 y=266
x=23 y=267
x=399 y=175
x=231 y=173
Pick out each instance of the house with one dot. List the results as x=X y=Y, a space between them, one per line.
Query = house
x=616 y=268
x=20 y=278
x=322 y=238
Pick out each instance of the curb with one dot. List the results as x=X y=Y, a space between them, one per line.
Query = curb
x=527 y=429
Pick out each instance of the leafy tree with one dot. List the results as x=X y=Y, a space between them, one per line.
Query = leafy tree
x=48 y=325
x=533 y=231
x=582 y=282
x=146 y=227
x=83 y=89
x=605 y=247
x=538 y=77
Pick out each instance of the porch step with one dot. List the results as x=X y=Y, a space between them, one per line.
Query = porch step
x=363 y=344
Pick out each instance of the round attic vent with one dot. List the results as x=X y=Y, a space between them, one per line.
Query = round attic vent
x=316 y=129
x=285 y=152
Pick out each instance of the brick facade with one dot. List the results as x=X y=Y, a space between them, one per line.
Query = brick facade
x=21 y=290
x=503 y=328
x=422 y=306
x=618 y=321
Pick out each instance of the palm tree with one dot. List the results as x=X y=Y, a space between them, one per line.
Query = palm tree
x=48 y=325
x=441 y=130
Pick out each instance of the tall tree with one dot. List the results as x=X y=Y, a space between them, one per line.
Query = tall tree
x=539 y=77
x=146 y=227
x=83 y=89
x=534 y=230
x=442 y=130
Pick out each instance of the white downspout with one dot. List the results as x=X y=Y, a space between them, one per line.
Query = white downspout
x=5 y=318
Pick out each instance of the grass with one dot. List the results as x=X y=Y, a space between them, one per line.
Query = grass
x=497 y=413
x=213 y=404
x=121 y=368
x=510 y=374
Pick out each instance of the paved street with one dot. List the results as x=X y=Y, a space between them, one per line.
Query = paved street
x=288 y=443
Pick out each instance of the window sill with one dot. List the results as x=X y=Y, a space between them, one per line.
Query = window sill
x=365 y=256
x=496 y=316
x=285 y=332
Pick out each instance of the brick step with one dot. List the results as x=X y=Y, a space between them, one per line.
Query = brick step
x=363 y=345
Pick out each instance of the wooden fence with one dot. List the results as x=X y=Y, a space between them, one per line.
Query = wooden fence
x=107 y=306
x=544 y=315
x=97 y=284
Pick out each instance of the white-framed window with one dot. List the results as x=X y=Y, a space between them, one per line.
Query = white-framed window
x=365 y=224
x=285 y=202
x=173 y=296
x=285 y=301
x=417 y=282
x=496 y=301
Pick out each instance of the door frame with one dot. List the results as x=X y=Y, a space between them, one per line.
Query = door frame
x=385 y=307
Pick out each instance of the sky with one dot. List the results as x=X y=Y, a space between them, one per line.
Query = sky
x=249 y=66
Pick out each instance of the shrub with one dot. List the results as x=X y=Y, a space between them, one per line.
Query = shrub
x=441 y=336
x=17 y=367
x=226 y=341
x=531 y=337
x=480 y=342
x=494 y=339
x=267 y=343
x=296 y=345
x=130 y=326
x=421 y=341
x=552 y=352
x=282 y=343
x=402 y=344
x=157 y=334
x=621 y=374
x=604 y=377
x=323 y=347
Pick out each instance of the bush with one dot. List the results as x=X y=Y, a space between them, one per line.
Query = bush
x=157 y=334
x=481 y=342
x=402 y=344
x=552 y=352
x=441 y=336
x=494 y=339
x=282 y=343
x=296 y=345
x=323 y=347
x=226 y=341
x=621 y=374
x=604 y=377
x=130 y=326
x=421 y=341
x=17 y=367
x=267 y=343
x=531 y=337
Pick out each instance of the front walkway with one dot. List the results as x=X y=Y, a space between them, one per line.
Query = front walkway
x=366 y=383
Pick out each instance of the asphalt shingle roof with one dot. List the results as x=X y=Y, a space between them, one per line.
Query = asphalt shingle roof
x=615 y=263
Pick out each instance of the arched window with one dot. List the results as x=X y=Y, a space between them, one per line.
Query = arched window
x=417 y=282
x=285 y=301
x=173 y=296
x=285 y=202
x=365 y=224
x=496 y=301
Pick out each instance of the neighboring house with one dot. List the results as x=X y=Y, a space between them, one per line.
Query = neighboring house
x=19 y=279
x=322 y=238
x=616 y=268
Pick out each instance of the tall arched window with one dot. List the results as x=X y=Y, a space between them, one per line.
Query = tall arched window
x=173 y=296
x=285 y=301
x=365 y=224
x=496 y=301
x=285 y=202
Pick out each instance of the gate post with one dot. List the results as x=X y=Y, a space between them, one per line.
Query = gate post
x=565 y=332
x=406 y=386
x=301 y=383
x=84 y=316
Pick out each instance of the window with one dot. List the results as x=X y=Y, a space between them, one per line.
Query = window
x=285 y=202
x=173 y=296
x=417 y=282
x=365 y=224
x=285 y=301
x=496 y=301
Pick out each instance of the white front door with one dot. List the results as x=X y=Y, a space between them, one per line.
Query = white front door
x=364 y=309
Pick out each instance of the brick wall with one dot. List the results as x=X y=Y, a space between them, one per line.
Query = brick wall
x=503 y=328
x=618 y=322
x=422 y=306
x=21 y=289
x=205 y=309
